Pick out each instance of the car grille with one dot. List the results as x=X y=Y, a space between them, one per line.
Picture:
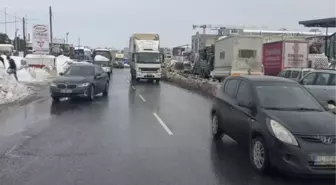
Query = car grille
x=316 y=139
x=149 y=69
x=66 y=86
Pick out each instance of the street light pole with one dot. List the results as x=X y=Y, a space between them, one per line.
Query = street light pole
x=66 y=37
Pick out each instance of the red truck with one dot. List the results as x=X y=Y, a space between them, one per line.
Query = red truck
x=284 y=54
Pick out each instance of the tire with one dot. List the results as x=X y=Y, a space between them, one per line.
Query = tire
x=55 y=98
x=217 y=132
x=137 y=79
x=92 y=93
x=158 y=81
x=106 y=91
x=150 y=80
x=259 y=155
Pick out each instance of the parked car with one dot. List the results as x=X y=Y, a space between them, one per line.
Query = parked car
x=281 y=123
x=295 y=73
x=80 y=80
x=322 y=83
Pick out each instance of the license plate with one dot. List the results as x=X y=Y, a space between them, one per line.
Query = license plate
x=325 y=160
x=66 y=91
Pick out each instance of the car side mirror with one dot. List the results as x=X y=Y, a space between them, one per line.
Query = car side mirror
x=97 y=76
x=245 y=104
x=61 y=74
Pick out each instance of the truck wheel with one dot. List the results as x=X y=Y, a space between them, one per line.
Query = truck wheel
x=137 y=79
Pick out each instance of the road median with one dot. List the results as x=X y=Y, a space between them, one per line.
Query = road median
x=190 y=82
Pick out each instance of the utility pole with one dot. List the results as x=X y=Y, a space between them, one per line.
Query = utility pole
x=6 y=20
x=16 y=40
x=24 y=37
x=66 y=37
x=51 y=28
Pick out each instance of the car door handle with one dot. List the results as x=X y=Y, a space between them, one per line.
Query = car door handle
x=231 y=107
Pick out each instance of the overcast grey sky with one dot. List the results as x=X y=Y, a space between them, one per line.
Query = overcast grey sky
x=110 y=23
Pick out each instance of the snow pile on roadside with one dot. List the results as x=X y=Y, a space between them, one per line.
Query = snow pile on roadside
x=26 y=73
x=62 y=63
x=190 y=82
x=100 y=58
x=10 y=89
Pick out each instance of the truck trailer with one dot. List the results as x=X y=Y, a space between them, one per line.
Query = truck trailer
x=238 y=55
x=284 y=54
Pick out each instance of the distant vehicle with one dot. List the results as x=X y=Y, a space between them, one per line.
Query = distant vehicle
x=284 y=54
x=82 y=53
x=146 y=57
x=6 y=49
x=281 y=123
x=187 y=68
x=294 y=73
x=104 y=62
x=80 y=80
x=118 y=60
x=238 y=55
x=40 y=61
x=322 y=83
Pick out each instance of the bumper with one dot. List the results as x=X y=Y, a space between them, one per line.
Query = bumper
x=148 y=75
x=77 y=92
x=300 y=160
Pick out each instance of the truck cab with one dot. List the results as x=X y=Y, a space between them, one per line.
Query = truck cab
x=103 y=58
x=146 y=57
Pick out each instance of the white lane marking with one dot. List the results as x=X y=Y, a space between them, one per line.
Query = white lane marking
x=133 y=87
x=163 y=124
x=143 y=99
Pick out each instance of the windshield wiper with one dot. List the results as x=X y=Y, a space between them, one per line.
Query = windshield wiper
x=306 y=109
x=275 y=108
x=291 y=109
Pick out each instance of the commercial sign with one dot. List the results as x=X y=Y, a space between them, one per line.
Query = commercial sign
x=41 y=39
x=58 y=41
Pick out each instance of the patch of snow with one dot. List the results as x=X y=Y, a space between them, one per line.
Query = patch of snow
x=10 y=89
x=100 y=58
x=62 y=63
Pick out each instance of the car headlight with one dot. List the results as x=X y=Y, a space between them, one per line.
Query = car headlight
x=282 y=133
x=53 y=85
x=159 y=71
x=83 y=85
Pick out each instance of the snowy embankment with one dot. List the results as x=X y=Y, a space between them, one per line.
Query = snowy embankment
x=190 y=82
x=10 y=89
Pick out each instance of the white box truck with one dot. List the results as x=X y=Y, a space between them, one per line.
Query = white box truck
x=238 y=55
x=145 y=56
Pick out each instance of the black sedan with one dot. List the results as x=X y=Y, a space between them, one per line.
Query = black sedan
x=80 y=80
x=284 y=126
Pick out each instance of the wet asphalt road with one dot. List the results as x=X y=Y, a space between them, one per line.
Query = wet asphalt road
x=142 y=134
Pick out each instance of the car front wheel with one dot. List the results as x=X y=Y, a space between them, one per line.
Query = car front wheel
x=105 y=93
x=217 y=132
x=91 y=93
x=259 y=155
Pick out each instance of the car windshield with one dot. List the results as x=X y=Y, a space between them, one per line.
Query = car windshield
x=148 y=58
x=286 y=96
x=79 y=71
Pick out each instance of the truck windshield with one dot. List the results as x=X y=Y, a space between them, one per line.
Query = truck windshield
x=105 y=54
x=102 y=63
x=148 y=58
